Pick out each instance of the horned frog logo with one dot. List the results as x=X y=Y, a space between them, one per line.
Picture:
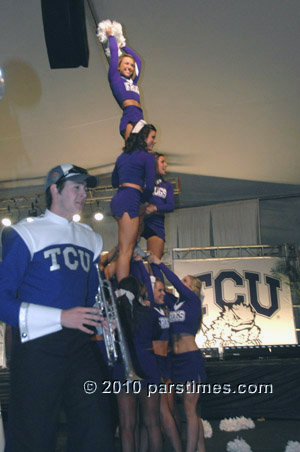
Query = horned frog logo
x=234 y=326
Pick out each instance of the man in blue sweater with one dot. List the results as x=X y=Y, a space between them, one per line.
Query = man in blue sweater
x=48 y=283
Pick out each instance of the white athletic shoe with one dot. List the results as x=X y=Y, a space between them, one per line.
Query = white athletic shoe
x=137 y=250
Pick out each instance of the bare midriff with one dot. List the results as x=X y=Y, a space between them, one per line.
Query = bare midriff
x=128 y=102
x=128 y=184
x=160 y=347
x=183 y=343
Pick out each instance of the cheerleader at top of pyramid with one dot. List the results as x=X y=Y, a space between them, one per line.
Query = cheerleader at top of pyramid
x=123 y=74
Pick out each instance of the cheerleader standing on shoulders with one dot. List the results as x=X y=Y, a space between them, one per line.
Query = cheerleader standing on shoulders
x=134 y=175
x=161 y=202
x=187 y=361
x=123 y=76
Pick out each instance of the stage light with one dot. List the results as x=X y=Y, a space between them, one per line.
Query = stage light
x=76 y=218
x=99 y=216
x=6 y=221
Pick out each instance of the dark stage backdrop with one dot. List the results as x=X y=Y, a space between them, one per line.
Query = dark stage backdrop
x=282 y=403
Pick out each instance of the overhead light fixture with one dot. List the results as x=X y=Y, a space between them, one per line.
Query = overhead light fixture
x=76 y=218
x=6 y=221
x=98 y=215
x=33 y=211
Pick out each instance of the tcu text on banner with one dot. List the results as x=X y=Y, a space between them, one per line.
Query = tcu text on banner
x=244 y=301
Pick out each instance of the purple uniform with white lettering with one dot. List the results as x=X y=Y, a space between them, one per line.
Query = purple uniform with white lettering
x=124 y=88
x=142 y=354
x=136 y=167
x=163 y=198
x=141 y=351
x=185 y=318
x=161 y=328
x=161 y=321
x=162 y=333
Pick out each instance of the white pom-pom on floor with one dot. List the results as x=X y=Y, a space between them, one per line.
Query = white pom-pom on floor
x=292 y=446
x=208 y=431
x=236 y=424
x=238 y=445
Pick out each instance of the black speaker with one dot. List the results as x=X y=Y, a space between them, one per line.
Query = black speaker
x=65 y=33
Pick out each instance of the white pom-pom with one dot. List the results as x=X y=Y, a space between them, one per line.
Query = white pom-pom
x=117 y=28
x=238 y=445
x=208 y=431
x=117 y=32
x=292 y=446
x=101 y=30
x=236 y=424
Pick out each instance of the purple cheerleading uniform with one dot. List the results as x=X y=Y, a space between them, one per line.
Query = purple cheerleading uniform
x=141 y=352
x=136 y=167
x=185 y=317
x=124 y=88
x=161 y=321
x=163 y=198
x=162 y=329
x=143 y=358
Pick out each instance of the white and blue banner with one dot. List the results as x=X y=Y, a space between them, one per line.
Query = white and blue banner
x=245 y=301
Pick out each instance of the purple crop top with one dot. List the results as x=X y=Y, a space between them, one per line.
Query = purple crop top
x=185 y=314
x=136 y=167
x=122 y=88
x=163 y=198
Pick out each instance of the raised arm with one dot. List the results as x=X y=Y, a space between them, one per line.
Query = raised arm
x=114 y=58
x=181 y=288
x=156 y=271
x=169 y=299
x=142 y=274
